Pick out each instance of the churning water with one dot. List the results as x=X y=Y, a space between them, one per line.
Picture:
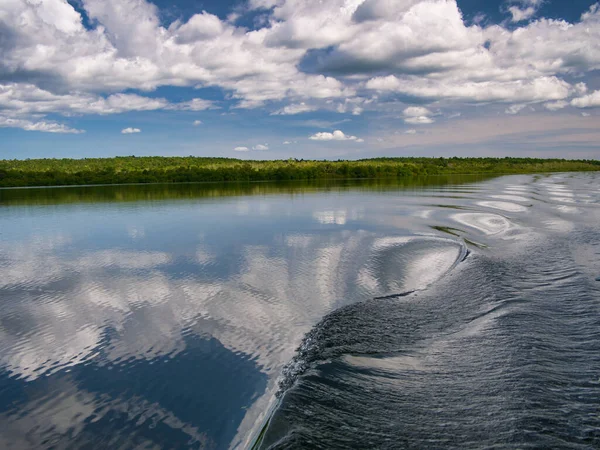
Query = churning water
x=448 y=313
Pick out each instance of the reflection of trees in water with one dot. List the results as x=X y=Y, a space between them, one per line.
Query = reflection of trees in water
x=191 y=191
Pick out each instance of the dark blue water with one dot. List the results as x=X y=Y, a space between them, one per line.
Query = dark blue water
x=443 y=314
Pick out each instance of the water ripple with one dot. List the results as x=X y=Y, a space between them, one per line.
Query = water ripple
x=167 y=324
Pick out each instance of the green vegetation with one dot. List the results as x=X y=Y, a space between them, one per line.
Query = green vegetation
x=194 y=192
x=131 y=169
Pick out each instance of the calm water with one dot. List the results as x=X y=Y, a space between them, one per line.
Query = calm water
x=441 y=313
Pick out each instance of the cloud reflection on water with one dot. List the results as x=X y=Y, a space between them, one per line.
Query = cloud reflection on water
x=250 y=276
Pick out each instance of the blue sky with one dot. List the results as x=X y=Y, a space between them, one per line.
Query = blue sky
x=266 y=79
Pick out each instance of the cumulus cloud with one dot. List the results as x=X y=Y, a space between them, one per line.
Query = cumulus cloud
x=21 y=102
x=420 y=120
x=196 y=104
x=588 y=101
x=197 y=122
x=416 y=111
x=514 y=109
x=524 y=65
x=131 y=49
x=337 y=135
x=519 y=14
x=200 y=27
x=525 y=9
x=581 y=88
x=43 y=126
x=296 y=108
x=130 y=130
x=536 y=90
x=257 y=147
x=25 y=98
x=306 y=52
x=417 y=115
x=555 y=106
x=352 y=105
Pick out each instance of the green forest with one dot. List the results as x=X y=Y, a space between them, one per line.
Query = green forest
x=155 y=169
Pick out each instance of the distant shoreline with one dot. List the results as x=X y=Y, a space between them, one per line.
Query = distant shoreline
x=157 y=169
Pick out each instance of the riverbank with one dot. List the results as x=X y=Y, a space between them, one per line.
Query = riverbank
x=156 y=169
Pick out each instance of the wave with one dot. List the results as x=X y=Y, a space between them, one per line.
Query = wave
x=504 y=353
x=343 y=330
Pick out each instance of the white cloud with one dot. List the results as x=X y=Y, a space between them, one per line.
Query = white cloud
x=257 y=147
x=417 y=115
x=337 y=135
x=420 y=120
x=519 y=14
x=526 y=10
x=581 y=88
x=130 y=49
x=416 y=111
x=536 y=90
x=555 y=106
x=524 y=65
x=130 y=130
x=44 y=126
x=196 y=104
x=305 y=53
x=200 y=27
x=584 y=114
x=297 y=108
x=23 y=104
x=411 y=131
x=514 y=109
x=23 y=99
x=197 y=122
x=391 y=36
x=588 y=101
x=351 y=105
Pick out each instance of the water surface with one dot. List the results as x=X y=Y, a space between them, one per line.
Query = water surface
x=169 y=316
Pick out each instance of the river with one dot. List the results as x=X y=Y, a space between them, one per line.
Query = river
x=450 y=312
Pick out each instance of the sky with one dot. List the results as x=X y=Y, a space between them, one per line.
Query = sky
x=306 y=79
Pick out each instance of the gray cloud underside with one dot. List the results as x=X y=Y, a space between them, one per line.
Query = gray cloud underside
x=342 y=55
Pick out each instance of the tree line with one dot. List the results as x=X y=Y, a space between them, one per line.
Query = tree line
x=154 y=169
